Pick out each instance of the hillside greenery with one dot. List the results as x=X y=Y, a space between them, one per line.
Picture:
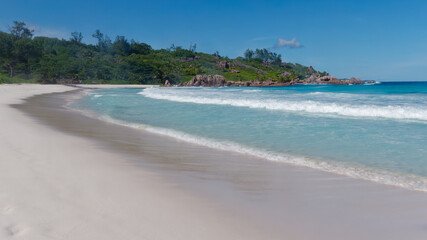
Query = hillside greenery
x=28 y=59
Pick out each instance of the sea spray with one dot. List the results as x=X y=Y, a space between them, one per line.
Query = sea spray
x=410 y=182
x=311 y=106
x=378 y=132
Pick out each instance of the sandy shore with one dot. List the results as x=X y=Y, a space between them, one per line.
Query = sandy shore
x=107 y=86
x=58 y=186
x=67 y=176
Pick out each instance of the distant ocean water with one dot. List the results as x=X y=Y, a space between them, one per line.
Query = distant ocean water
x=374 y=132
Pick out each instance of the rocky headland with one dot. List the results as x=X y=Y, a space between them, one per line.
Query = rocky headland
x=220 y=81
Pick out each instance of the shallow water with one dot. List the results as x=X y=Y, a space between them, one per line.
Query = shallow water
x=279 y=199
x=376 y=132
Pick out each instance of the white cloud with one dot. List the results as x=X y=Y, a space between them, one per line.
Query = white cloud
x=293 y=43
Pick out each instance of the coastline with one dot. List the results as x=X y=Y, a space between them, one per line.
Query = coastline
x=109 y=86
x=59 y=186
x=264 y=200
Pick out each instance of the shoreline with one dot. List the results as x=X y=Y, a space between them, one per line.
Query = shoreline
x=405 y=181
x=276 y=200
x=110 y=86
x=56 y=185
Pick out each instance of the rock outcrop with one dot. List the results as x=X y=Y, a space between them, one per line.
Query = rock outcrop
x=316 y=79
x=167 y=84
x=354 y=81
x=206 y=81
x=220 y=81
x=286 y=74
x=223 y=64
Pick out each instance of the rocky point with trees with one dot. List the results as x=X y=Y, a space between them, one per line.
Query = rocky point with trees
x=28 y=58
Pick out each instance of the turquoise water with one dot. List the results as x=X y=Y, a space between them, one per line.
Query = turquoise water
x=374 y=132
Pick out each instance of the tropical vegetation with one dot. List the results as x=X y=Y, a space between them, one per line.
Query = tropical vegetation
x=28 y=58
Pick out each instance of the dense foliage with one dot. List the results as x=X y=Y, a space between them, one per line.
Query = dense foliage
x=25 y=58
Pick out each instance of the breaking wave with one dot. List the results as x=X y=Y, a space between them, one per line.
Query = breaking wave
x=399 y=112
x=411 y=182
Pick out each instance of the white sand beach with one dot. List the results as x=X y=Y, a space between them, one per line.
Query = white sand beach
x=57 y=186
x=59 y=183
x=108 y=86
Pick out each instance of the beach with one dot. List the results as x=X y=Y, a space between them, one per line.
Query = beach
x=57 y=186
x=69 y=176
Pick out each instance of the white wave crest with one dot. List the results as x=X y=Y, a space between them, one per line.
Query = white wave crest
x=310 y=106
x=411 y=182
x=251 y=90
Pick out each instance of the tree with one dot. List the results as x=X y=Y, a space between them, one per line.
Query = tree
x=121 y=46
x=6 y=52
x=263 y=55
x=126 y=61
x=179 y=51
x=17 y=47
x=104 y=42
x=140 y=48
x=19 y=31
x=249 y=54
x=192 y=48
x=76 y=37
x=98 y=35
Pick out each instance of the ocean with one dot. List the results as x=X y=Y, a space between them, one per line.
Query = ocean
x=374 y=132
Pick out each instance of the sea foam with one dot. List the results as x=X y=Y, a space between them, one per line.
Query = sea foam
x=406 y=181
x=399 y=112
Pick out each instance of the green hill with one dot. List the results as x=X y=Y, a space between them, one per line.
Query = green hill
x=24 y=58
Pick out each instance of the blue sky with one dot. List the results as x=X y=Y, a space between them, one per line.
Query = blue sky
x=381 y=40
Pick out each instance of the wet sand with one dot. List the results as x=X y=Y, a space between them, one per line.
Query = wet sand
x=243 y=196
x=56 y=185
